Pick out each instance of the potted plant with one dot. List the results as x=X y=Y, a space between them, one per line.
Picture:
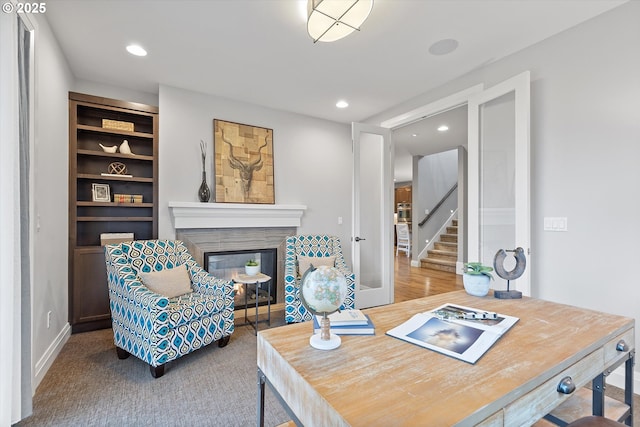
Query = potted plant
x=252 y=267
x=476 y=278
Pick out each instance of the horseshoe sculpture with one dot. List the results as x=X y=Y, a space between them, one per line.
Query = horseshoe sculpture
x=521 y=264
x=498 y=266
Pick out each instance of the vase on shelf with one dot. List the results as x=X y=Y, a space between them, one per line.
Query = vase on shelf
x=203 y=192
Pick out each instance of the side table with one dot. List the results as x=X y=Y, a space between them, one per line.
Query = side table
x=256 y=280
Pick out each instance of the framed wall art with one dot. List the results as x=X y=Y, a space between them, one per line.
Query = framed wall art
x=243 y=163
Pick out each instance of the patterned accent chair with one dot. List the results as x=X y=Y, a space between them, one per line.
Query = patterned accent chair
x=298 y=247
x=156 y=328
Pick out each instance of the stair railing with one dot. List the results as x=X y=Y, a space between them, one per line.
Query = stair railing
x=432 y=211
x=435 y=238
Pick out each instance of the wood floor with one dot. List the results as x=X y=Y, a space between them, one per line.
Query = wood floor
x=410 y=283
x=415 y=282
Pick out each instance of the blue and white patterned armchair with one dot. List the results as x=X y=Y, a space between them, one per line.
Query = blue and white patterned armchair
x=156 y=328
x=313 y=246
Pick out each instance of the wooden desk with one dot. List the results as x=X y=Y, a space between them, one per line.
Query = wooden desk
x=383 y=381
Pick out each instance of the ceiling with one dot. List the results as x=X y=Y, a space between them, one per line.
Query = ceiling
x=258 y=51
x=423 y=138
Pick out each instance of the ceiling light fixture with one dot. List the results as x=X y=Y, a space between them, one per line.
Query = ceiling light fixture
x=342 y=104
x=136 y=50
x=443 y=128
x=331 y=20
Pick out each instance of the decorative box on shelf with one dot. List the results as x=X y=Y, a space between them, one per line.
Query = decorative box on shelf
x=118 y=125
x=127 y=198
x=114 y=238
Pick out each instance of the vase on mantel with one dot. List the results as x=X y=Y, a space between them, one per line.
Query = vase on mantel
x=203 y=192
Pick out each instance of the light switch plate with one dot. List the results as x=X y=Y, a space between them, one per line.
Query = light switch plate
x=555 y=224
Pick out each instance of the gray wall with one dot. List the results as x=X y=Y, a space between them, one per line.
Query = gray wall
x=312 y=158
x=585 y=145
x=53 y=80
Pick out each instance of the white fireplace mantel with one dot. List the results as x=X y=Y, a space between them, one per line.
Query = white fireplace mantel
x=234 y=215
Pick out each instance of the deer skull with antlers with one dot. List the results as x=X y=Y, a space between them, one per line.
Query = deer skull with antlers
x=246 y=169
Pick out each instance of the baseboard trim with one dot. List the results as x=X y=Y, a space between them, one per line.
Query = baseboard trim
x=459 y=268
x=45 y=362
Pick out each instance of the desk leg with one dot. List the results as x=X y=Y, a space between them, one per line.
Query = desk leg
x=597 y=403
x=261 y=382
x=598 y=385
x=628 y=386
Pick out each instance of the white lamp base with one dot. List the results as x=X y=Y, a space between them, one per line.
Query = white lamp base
x=317 y=342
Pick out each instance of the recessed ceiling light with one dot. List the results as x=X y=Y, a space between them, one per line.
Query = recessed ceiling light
x=443 y=128
x=443 y=47
x=342 y=104
x=136 y=50
x=414 y=134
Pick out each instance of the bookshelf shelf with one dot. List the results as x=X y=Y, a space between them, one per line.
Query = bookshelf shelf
x=88 y=219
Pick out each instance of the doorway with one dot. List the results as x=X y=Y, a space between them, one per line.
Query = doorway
x=428 y=161
x=473 y=195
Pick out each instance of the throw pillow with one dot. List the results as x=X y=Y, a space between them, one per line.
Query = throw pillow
x=170 y=282
x=305 y=261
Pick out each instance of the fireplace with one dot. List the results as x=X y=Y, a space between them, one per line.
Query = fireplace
x=200 y=242
x=224 y=227
x=228 y=264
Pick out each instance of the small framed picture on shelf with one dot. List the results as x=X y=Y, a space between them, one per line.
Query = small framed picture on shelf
x=101 y=193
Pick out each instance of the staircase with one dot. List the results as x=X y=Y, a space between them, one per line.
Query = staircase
x=445 y=253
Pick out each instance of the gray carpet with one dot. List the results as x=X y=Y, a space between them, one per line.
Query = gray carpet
x=87 y=385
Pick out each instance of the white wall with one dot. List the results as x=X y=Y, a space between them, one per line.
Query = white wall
x=585 y=145
x=437 y=173
x=312 y=158
x=53 y=80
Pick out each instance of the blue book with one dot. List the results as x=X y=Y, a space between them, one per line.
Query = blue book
x=367 y=329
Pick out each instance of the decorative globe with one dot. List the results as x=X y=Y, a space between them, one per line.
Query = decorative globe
x=323 y=290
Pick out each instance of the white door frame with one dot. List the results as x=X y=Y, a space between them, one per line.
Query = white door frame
x=520 y=86
x=383 y=294
x=444 y=104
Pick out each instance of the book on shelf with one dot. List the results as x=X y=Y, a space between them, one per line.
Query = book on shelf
x=346 y=317
x=127 y=198
x=358 y=329
x=454 y=330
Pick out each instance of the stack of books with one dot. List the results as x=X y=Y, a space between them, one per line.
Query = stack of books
x=347 y=322
x=127 y=198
